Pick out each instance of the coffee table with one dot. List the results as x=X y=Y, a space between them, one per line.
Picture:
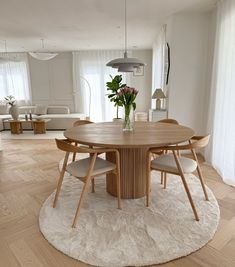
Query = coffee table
x=15 y=126
x=38 y=126
x=132 y=146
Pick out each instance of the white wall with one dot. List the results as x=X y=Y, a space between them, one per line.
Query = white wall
x=52 y=81
x=190 y=39
x=142 y=83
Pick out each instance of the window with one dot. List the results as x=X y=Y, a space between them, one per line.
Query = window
x=14 y=79
x=158 y=66
x=91 y=65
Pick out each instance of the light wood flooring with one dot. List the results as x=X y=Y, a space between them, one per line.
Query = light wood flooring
x=28 y=173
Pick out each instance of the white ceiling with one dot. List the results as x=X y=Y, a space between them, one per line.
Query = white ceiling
x=86 y=24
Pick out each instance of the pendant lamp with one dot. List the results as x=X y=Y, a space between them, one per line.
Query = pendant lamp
x=43 y=55
x=125 y=64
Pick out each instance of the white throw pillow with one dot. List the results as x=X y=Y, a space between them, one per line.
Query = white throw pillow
x=40 y=109
x=58 y=110
x=27 y=109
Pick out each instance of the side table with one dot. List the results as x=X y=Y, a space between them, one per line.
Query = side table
x=16 y=126
x=39 y=126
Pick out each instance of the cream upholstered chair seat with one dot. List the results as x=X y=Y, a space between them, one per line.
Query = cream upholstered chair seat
x=167 y=163
x=80 y=168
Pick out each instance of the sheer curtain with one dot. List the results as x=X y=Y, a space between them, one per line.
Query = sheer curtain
x=91 y=65
x=158 y=65
x=14 y=77
x=221 y=152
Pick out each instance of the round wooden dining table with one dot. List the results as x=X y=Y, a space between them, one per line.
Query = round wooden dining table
x=132 y=146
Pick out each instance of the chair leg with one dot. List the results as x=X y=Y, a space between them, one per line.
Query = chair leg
x=59 y=184
x=189 y=197
x=162 y=178
x=74 y=154
x=148 y=180
x=199 y=171
x=185 y=185
x=85 y=187
x=202 y=182
x=93 y=185
x=165 y=180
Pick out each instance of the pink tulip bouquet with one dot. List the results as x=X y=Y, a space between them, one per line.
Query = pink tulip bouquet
x=127 y=96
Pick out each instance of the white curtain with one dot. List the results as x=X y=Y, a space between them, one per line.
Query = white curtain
x=14 y=77
x=91 y=65
x=158 y=62
x=221 y=123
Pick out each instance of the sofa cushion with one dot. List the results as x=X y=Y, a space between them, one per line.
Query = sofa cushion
x=27 y=109
x=58 y=110
x=40 y=109
x=4 y=109
x=5 y=117
x=62 y=116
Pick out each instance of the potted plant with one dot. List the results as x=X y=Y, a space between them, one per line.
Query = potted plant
x=113 y=88
x=13 y=110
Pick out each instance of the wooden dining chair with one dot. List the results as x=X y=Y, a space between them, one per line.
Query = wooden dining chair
x=86 y=170
x=79 y=123
x=169 y=121
x=164 y=174
x=172 y=163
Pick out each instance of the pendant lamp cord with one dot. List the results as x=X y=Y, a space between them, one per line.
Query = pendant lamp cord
x=125 y=31
x=42 y=43
x=5 y=42
x=9 y=65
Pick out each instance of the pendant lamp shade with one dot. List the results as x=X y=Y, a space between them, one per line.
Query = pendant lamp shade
x=125 y=64
x=43 y=55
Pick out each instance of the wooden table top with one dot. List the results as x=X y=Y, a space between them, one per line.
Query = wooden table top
x=145 y=134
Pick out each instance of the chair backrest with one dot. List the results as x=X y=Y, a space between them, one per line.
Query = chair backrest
x=169 y=121
x=66 y=146
x=81 y=122
x=201 y=141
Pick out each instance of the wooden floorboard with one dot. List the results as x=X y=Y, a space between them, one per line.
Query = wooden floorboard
x=28 y=173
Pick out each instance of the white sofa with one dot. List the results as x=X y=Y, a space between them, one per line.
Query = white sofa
x=60 y=117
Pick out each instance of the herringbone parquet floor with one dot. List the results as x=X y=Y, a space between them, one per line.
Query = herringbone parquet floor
x=28 y=173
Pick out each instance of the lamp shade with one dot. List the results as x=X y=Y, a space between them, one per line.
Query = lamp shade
x=125 y=64
x=158 y=93
x=43 y=55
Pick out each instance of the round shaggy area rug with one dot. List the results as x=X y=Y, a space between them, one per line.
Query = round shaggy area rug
x=135 y=235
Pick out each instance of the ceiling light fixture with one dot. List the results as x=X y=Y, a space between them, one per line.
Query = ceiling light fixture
x=43 y=55
x=125 y=64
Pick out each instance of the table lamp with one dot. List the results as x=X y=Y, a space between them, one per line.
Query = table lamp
x=158 y=94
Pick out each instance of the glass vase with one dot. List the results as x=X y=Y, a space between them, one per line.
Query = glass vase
x=128 y=122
